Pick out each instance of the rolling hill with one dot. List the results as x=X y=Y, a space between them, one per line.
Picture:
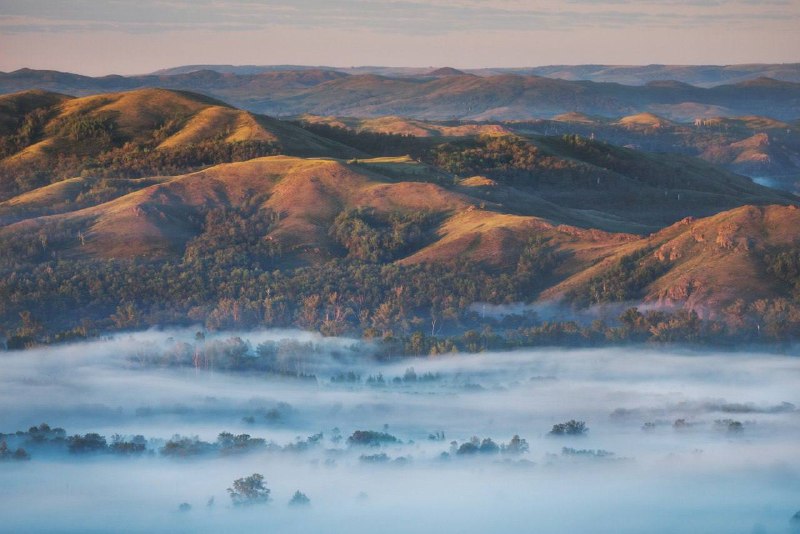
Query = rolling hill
x=707 y=263
x=48 y=136
x=404 y=126
x=295 y=226
x=760 y=147
x=110 y=145
x=170 y=207
x=704 y=264
x=306 y=195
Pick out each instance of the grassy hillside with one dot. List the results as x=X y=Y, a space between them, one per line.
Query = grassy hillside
x=706 y=264
x=395 y=125
x=144 y=216
x=284 y=240
x=139 y=133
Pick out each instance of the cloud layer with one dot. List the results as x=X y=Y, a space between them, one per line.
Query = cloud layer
x=127 y=36
x=400 y=17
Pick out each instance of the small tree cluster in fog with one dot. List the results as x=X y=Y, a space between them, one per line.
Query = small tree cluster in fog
x=569 y=428
x=378 y=458
x=8 y=454
x=680 y=424
x=249 y=490
x=299 y=499
x=517 y=445
x=586 y=453
x=729 y=425
x=301 y=445
x=91 y=442
x=488 y=446
x=180 y=446
x=135 y=445
x=371 y=438
x=231 y=444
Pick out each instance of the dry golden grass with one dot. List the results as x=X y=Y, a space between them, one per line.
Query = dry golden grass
x=211 y=122
x=648 y=120
x=712 y=261
x=47 y=195
x=308 y=194
x=193 y=119
x=478 y=181
x=576 y=117
x=391 y=124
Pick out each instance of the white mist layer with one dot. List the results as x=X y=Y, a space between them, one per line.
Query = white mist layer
x=698 y=477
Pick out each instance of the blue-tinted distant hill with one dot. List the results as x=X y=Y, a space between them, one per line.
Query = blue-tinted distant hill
x=699 y=75
x=440 y=94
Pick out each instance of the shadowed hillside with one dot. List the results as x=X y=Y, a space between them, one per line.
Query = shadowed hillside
x=761 y=147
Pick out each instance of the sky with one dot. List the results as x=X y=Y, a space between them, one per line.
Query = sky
x=98 y=37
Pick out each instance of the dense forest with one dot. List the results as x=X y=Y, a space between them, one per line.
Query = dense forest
x=228 y=279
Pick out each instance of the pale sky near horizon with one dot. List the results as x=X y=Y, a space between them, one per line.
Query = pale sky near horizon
x=136 y=36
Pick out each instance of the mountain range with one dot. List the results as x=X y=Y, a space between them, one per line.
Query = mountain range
x=177 y=193
x=439 y=94
x=699 y=75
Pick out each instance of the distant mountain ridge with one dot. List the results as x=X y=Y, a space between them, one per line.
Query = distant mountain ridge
x=446 y=95
x=698 y=75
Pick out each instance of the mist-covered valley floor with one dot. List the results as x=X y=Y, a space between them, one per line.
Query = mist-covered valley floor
x=147 y=431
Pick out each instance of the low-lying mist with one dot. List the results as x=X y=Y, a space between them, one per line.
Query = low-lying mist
x=147 y=431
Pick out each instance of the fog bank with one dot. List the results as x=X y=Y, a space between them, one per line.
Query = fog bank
x=676 y=441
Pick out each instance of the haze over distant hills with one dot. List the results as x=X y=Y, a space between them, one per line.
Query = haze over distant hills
x=699 y=75
x=440 y=94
